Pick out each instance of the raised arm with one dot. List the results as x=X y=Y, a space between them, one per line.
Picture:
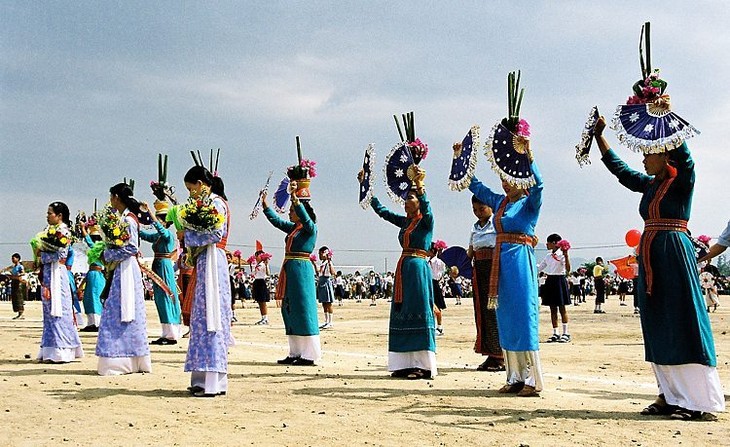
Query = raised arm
x=534 y=199
x=631 y=179
x=308 y=225
x=398 y=220
x=484 y=194
x=278 y=222
x=682 y=160
x=425 y=206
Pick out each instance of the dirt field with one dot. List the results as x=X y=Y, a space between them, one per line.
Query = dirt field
x=595 y=388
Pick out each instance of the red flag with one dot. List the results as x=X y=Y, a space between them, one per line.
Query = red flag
x=625 y=267
x=259 y=246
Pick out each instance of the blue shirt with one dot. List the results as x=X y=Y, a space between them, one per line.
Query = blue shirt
x=724 y=238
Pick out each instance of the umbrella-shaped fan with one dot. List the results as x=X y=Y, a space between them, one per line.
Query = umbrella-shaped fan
x=456 y=256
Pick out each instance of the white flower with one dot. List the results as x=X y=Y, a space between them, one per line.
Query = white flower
x=403 y=186
x=634 y=117
x=648 y=128
x=674 y=123
x=398 y=173
x=403 y=158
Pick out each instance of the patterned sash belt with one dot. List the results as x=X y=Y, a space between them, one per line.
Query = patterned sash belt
x=482 y=254
x=407 y=253
x=651 y=228
x=96 y=268
x=288 y=256
x=508 y=238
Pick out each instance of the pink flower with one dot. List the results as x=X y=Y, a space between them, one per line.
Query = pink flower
x=237 y=253
x=563 y=244
x=251 y=260
x=705 y=239
x=265 y=256
x=439 y=245
x=310 y=165
x=313 y=257
x=523 y=128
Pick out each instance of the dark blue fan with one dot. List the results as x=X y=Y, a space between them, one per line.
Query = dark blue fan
x=650 y=128
x=510 y=157
x=465 y=161
x=281 y=196
x=583 y=149
x=456 y=256
x=397 y=179
x=366 y=186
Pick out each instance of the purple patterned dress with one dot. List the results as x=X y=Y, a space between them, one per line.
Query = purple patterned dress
x=60 y=341
x=122 y=346
x=208 y=350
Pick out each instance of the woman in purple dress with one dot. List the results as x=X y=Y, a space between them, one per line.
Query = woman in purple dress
x=122 y=346
x=60 y=342
x=210 y=319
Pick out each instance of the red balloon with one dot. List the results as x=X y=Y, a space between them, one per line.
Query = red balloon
x=632 y=238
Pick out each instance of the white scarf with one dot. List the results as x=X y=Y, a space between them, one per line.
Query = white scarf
x=126 y=285
x=57 y=269
x=212 y=292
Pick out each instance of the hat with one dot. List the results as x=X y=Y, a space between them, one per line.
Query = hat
x=646 y=122
x=303 y=172
x=161 y=207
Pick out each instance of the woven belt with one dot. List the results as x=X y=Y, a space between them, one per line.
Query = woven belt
x=482 y=254
x=517 y=238
x=298 y=256
x=288 y=256
x=96 y=268
x=651 y=228
x=509 y=238
x=398 y=285
x=414 y=253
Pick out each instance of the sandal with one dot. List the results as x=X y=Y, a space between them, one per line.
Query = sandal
x=683 y=414
x=659 y=407
x=491 y=364
x=415 y=375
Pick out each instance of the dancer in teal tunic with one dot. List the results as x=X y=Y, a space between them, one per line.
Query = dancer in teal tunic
x=296 y=286
x=94 y=282
x=678 y=338
x=412 y=328
x=165 y=247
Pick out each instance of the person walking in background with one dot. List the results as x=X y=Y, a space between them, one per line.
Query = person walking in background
x=325 y=289
x=16 y=275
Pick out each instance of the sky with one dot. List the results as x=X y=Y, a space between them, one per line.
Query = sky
x=91 y=92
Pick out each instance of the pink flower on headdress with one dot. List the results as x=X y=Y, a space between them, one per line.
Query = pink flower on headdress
x=563 y=244
x=523 y=128
x=439 y=245
x=310 y=165
x=419 y=149
x=705 y=239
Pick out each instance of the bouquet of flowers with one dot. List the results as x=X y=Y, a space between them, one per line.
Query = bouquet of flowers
x=563 y=244
x=438 y=244
x=115 y=229
x=54 y=238
x=648 y=89
x=265 y=256
x=200 y=215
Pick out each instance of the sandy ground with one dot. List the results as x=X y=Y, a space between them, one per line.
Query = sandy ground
x=595 y=388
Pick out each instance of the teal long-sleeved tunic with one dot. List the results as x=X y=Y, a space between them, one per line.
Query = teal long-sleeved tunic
x=163 y=241
x=412 y=326
x=299 y=304
x=674 y=321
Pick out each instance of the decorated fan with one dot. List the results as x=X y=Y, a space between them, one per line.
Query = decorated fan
x=464 y=162
x=508 y=145
x=397 y=165
x=281 y=196
x=258 y=205
x=456 y=256
x=583 y=149
x=368 y=176
x=646 y=123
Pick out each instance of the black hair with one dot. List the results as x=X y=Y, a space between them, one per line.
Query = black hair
x=599 y=259
x=61 y=208
x=339 y=272
x=126 y=196
x=16 y=255
x=555 y=237
x=202 y=174
x=323 y=248
x=96 y=237
x=475 y=199
x=258 y=252
x=310 y=211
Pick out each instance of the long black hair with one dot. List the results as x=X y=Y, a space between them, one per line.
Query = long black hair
x=200 y=173
x=62 y=209
x=124 y=192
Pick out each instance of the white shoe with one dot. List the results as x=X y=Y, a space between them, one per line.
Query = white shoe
x=439 y=331
x=262 y=322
